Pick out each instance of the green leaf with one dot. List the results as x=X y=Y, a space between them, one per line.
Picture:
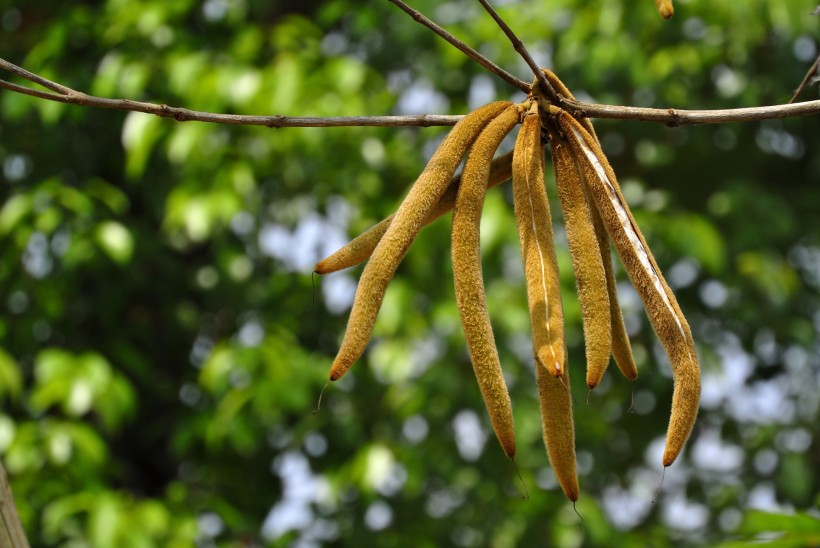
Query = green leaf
x=11 y=381
x=140 y=133
x=105 y=518
x=113 y=198
x=7 y=432
x=695 y=236
x=13 y=212
x=758 y=521
x=116 y=240
x=59 y=514
x=771 y=274
x=90 y=446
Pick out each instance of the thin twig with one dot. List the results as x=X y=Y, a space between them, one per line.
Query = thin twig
x=276 y=121
x=67 y=95
x=467 y=50
x=812 y=73
x=674 y=117
x=545 y=86
x=670 y=117
x=37 y=79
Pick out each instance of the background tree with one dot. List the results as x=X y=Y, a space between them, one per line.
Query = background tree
x=161 y=352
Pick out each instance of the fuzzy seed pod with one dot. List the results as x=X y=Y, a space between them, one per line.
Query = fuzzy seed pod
x=469 y=283
x=621 y=348
x=558 y=428
x=593 y=292
x=660 y=303
x=408 y=220
x=532 y=214
x=361 y=247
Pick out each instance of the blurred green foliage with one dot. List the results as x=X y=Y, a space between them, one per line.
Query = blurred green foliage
x=162 y=347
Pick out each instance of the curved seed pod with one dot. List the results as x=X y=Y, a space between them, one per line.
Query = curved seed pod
x=660 y=303
x=469 y=283
x=593 y=291
x=356 y=250
x=665 y=8
x=408 y=220
x=361 y=247
x=532 y=214
x=558 y=428
x=621 y=348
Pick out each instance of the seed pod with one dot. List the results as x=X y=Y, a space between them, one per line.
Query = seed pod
x=665 y=8
x=469 y=283
x=532 y=214
x=558 y=428
x=361 y=247
x=621 y=348
x=660 y=303
x=590 y=278
x=408 y=220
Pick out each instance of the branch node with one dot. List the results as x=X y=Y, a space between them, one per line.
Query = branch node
x=675 y=119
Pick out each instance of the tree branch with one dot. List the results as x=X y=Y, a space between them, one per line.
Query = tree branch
x=67 y=95
x=674 y=117
x=464 y=48
x=12 y=534
x=814 y=72
x=519 y=46
x=670 y=117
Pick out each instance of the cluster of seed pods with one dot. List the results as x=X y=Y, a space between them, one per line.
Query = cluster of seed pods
x=595 y=214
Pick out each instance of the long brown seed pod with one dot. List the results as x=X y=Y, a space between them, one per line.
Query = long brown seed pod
x=422 y=198
x=361 y=247
x=593 y=293
x=621 y=348
x=661 y=306
x=532 y=214
x=558 y=428
x=469 y=283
